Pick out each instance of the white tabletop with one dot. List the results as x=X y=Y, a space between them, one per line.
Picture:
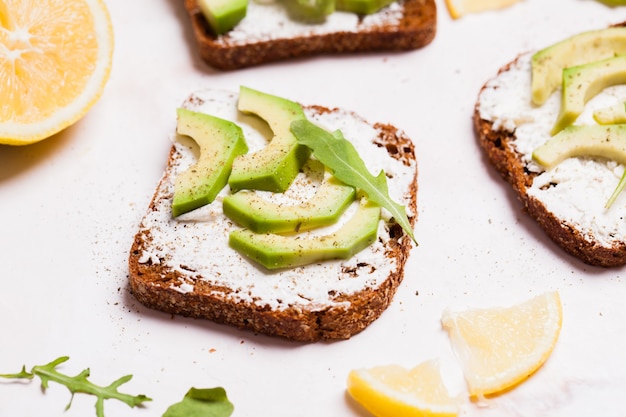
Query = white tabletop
x=69 y=207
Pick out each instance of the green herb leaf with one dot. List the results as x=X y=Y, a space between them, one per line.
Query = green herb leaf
x=20 y=375
x=207 y=402
x=620 y=187
x=79 y=384
x=344 y=162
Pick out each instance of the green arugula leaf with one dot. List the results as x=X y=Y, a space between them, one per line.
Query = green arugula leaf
x=79 y=384
x=207 y=402
x=344 y=162
x=620 y=187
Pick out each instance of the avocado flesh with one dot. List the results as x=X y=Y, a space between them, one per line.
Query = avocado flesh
x=252 y=211
x=611 y=115
x=220 y=141
x=223 y=15
x=614 y=2
x=275 y=251
x=548 y=64
x=583 y=82
x=362 y=6
x=273 y=167
x=313 y=11
x=577 y=141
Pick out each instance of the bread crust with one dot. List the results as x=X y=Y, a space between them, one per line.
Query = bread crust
x=416 y=29
x=156 y=286
x=497 y=145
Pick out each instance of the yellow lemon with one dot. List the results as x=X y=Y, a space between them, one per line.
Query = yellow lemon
x=55 y=59
x=458 y=8
x=393 y=391
x=500 y=347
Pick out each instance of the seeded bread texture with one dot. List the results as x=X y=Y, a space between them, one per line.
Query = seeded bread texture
x=502 y=154
x=183 y=292
x=415 y=29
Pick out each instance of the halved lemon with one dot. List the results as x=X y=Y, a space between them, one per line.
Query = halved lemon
x=500 y=347
x=393 y=391
x=55 y=59
x=458 y=8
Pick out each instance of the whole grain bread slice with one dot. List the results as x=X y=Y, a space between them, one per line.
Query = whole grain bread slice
x=597 y=245
x=497 y=146
x=406 y=25
x=185 y=267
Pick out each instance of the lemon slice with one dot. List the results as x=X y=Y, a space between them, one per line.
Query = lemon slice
x=55 y=58
x=393 y=391
x=459 y=8
x=500 y=347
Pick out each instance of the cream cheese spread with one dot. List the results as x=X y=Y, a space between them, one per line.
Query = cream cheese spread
x=270 y=20
x=577 y=189
x=196 y=244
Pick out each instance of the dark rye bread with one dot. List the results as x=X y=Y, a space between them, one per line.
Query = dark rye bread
x=415 y=29
x=281 y=306
x=500 y=150
x=496 y=144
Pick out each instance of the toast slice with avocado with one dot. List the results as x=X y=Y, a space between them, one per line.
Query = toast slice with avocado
x=268 y=33
x=340 y=272
x=540 y=131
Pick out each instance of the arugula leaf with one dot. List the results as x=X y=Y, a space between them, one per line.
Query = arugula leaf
x=620 y=187
x=344 y=162
x=207 y=402
x=79 y=383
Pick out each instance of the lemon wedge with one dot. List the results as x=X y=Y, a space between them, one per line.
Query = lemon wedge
x=459 y=8
x=393 y=391
x=500 y=347
x=55 y=59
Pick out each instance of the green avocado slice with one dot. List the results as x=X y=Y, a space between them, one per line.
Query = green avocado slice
x=611 y=115
x=313 y=11
x=273 y=167
x=548 y=63
x=614 y=3
x=220 y=141
x=590 y=140
x=583 y=82
x=362 y=6
x=252 y=211
x=223 y=15
x=274 y=251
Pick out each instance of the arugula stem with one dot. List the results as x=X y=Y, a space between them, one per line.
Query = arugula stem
x=617 y=191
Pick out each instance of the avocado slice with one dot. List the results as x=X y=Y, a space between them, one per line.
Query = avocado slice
x=590 y=140
x=548 y=63
x=611 y=115
x=250 y=210
x=362 y=6
x=614 y=2
x=223 y=15
x=312 y=11
x=275 y=251
x=220 y=141
x=273 y=167
x=583 y=82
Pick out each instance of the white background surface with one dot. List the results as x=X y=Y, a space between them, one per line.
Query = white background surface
x=69 y=207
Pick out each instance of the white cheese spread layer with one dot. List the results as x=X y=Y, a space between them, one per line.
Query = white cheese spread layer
x=196 y=244
x=577 y=189
x=270 y=20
